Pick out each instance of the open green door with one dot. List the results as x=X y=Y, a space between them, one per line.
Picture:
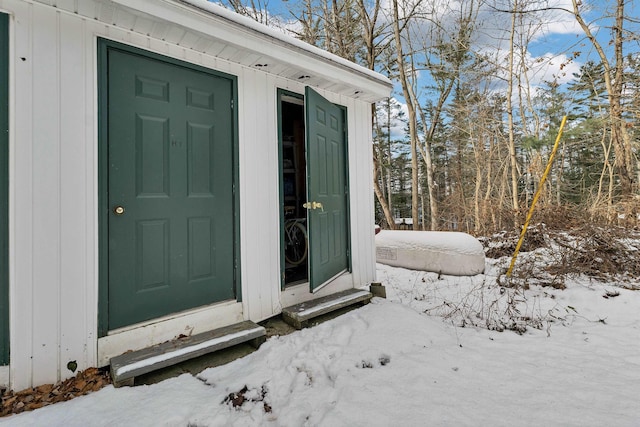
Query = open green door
x=326 y=189
x=4 y=189
x=170 y=178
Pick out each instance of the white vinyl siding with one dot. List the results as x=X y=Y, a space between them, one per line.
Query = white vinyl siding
x=54 y=179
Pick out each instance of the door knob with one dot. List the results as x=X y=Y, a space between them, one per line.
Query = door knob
x=313 y=205
x=118 y=210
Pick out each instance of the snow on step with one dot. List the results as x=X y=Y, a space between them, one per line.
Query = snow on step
x=127 y=366
x=445 y=252
x=298 y=315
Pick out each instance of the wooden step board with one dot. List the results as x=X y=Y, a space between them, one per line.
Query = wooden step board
x=299 y=315
x=127 y=366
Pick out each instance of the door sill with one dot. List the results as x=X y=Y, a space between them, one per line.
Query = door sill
x=157 y=331
x=167 y=318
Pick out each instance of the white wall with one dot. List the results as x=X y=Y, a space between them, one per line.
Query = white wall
x=53 y=185
x=260 y=199
x=53 y=253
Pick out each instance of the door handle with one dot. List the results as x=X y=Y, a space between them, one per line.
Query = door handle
x=118 y=210
x=313 y=205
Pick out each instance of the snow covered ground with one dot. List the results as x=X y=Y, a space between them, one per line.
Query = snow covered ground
x=432 y=354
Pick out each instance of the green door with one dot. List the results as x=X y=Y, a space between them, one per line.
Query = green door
x=4 y=189
x=326 y=186
x=170 y=187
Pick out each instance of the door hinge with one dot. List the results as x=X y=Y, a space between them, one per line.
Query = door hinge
x=232 y=104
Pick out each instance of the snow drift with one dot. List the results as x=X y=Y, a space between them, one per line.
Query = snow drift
x=446 y=252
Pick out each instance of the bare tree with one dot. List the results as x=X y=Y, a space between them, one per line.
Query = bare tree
x=254 y=9
x=382 y=164
x=447 y=52
x=511 y=143
x=411 y=109
x=614 y=75
x=376 y=41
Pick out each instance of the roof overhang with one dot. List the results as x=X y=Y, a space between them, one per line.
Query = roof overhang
x=214 y=30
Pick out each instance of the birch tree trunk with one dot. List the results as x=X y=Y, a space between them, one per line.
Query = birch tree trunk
x=411 y=113
x=511 y=144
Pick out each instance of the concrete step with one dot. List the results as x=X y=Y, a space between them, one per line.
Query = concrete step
x=127 y=366
x=299 y=315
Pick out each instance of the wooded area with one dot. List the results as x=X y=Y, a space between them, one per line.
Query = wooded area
x=464 y=143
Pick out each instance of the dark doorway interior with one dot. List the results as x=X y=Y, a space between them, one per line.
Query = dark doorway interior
x=294 y=190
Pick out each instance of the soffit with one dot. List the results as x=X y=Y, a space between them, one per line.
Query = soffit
x=215 y=31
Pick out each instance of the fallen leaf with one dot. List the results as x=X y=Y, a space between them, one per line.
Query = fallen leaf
x=79 y=385
x=45 y=388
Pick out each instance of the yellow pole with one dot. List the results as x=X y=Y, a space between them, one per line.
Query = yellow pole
x=536 y=196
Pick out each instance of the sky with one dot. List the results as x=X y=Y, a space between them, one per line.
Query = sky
x=557 y=36
x=430 y=354
x=557 y=47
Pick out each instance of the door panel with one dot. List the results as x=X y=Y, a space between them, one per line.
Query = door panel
x=152 y=156
x=170 y=166
x=327 y=185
